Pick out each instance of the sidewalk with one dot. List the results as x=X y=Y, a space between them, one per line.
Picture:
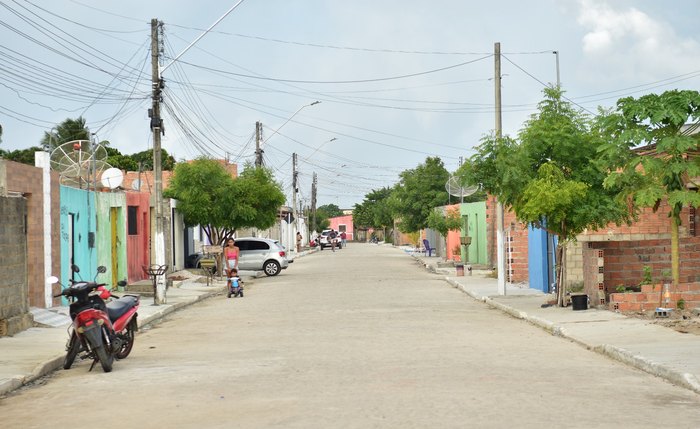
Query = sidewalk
x=655 y=349
x=38 y=351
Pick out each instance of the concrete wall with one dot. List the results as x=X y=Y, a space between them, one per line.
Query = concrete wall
x=138 y=245
x=14 y=301
x=111 y=236
x=475 y=226
x=78 y=223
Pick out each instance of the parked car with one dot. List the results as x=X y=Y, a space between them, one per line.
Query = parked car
x=262 y=254
x=257 y=254
x=324 y=240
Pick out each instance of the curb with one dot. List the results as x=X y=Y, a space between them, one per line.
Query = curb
x=682 y=379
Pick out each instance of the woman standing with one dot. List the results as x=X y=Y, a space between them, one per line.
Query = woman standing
x=231 y=255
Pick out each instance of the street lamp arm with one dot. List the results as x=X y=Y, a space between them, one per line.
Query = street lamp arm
x=290 y=118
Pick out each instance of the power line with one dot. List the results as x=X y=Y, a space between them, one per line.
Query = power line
x=381 y=79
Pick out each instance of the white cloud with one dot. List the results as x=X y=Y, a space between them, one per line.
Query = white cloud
x=634 y=43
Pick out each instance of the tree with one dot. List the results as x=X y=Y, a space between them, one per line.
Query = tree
x=374 y=211
x=552 y=177
x=445 y=222
x=330 y=210
x=207 y=195
x=665 y=166
x=25 y=156
x=419 y=190
x=68 y=130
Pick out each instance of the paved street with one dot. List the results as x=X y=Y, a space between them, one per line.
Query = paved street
x=363 y=337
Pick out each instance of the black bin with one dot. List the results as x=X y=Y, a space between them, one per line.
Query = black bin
x=579 y=302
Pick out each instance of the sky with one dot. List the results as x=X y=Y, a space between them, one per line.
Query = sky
x=397 y=80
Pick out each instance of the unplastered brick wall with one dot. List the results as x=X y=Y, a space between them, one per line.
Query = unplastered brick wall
x=516 y=244
x=14 y=305
x=28 y=181
x=625 y=260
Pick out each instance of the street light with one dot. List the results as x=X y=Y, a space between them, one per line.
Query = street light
x=290 y=118
x=319 y=147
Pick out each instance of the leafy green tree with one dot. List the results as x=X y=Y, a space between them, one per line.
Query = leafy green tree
x=375 y=210
x=25 y=156
x=662 y=169
x=445 y=222
x=552 y=178
x=330 y=210
x=207 y=195
x=419 y=191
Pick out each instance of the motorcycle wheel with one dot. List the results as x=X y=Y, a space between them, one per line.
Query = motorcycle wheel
x=106 y=359
x=128 y=338
x=73 y=349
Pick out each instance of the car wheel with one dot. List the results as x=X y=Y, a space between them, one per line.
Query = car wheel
x=272 y=268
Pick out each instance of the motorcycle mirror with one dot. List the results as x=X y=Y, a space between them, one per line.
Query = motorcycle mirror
x=101 y=269
x=75 y=268
x=52 y=279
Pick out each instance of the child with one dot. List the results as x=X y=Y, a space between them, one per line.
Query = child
x=235 y=284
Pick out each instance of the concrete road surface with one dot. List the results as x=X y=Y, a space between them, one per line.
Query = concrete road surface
x=359 y=338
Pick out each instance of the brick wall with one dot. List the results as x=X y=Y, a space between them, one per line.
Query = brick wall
x=28 y=181
x=516 y=246
x=14 y=305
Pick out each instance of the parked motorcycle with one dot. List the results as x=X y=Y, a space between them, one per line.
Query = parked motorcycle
x=102 y=331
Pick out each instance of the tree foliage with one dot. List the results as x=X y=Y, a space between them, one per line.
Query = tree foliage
x=419 y=191
x=68 y=130
x=668 y=162
x=445 y=222
x=207 y=195
x=551 y=176
x=374 y=211
x=330 y=210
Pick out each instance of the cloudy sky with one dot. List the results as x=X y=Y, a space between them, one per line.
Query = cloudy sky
x=398 y=80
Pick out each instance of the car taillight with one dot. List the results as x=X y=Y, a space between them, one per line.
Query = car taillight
x=282 y=253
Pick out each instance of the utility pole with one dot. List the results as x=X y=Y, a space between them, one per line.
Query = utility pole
x=157 y=128
x=258 y=139
x=294 y=195
x=501 y=253
x=313 y=203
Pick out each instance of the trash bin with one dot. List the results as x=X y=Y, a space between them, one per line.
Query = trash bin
x=579 y=302
x=460 y=270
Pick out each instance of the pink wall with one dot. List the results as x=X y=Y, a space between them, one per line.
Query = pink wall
x=343 y=220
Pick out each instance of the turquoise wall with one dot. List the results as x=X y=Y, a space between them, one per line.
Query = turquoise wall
x=474 y=226
x=78 y=205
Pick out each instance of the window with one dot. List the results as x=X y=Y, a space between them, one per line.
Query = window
x=132 y=216
x=258 y=245
x=341 y=228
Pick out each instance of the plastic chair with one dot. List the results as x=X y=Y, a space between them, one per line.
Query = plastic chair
x=428 y=249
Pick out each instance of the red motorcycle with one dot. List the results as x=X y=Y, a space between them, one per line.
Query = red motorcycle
x=102 y=331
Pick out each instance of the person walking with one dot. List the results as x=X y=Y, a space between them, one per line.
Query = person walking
x=332 y=237
x=299 y=239
x=343 y=239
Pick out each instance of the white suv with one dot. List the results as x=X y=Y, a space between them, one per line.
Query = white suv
x=324 y=241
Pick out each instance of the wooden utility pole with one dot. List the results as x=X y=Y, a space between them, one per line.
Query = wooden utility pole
x=258 y=140
x=500 y=215
x=157 y=128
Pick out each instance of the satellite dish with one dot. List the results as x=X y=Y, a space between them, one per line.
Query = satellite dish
x=112 y=178
x=454 y=188
x=136 y=185
x=79 y=162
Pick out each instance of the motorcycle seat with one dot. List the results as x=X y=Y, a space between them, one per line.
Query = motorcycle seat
x=117 y=308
